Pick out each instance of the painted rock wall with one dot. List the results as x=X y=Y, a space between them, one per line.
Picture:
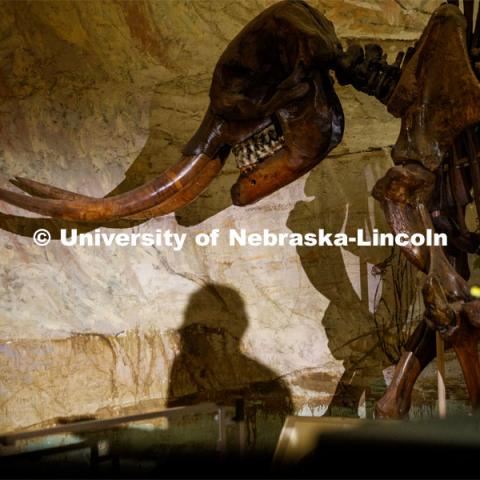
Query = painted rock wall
x=100 y=94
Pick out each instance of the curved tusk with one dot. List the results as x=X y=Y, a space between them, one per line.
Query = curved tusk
x=46 y=191
x=184 y=196
x=177 y=201
x=174 y=182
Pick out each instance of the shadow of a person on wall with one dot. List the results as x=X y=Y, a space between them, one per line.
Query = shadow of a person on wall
x=211 y=365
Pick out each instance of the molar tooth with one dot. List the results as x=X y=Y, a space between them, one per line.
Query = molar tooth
x=256 y=148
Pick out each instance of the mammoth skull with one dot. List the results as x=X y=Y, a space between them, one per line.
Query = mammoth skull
x=271 y=102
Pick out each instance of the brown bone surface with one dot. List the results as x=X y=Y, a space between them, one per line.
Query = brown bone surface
x=438 y=94
x=438 y=99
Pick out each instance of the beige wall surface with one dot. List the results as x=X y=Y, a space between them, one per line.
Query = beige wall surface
x=93 y=91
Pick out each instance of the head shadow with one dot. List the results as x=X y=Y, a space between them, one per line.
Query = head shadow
x=211 y=364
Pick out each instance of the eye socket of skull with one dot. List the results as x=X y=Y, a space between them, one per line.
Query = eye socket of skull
x=310 y=128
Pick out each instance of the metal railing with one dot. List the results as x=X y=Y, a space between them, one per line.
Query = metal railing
x=99 y=448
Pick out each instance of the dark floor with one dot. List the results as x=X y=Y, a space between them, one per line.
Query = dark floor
x=429 y=449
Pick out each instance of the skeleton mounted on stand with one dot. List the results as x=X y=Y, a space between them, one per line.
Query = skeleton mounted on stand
x=273 y=104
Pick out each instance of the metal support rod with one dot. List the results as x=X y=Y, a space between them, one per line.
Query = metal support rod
x=442 y=394
x=222 y=431
x=241 y=426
